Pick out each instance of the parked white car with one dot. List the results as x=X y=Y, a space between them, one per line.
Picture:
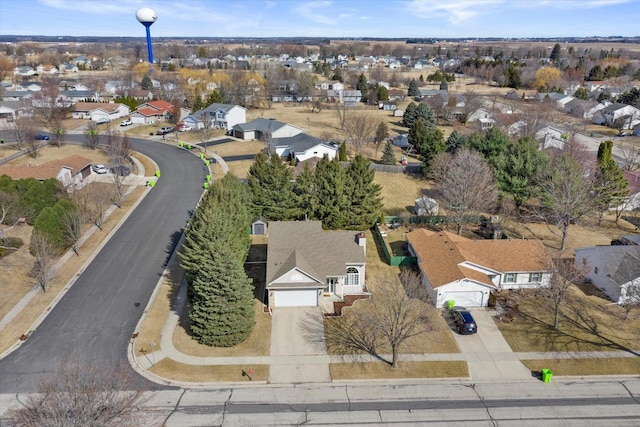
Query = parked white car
x=185 y=128
x=127 y=122
x=103 y=120
x=100 y=169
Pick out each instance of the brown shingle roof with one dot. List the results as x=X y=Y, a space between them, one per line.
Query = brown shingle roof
x=443 y=255
x=46 y=170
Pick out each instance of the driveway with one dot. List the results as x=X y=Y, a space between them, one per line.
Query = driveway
x=297 y=339
x=488 y=354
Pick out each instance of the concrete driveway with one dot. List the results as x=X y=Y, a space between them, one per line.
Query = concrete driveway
x=488 y=354
x=297 y=338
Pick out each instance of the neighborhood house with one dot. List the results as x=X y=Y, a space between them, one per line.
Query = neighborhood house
x=466 y=271
x=306 y=263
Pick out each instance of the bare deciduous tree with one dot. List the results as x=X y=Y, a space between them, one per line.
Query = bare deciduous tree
x=44 y=252
x=630 y=156
x=360 y=128
x=342 y=111
x=118 y=147
x=101 y=197
x=466 y=185
x=566 y=192
x=85 y=394
x=398 y=311
x=23 y=131
x=93 y=137
x=73 y=227
x=7 y=202
x=563 y=275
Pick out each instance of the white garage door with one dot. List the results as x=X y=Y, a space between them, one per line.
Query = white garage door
x=465 y=299
x=296 y=298
x=137 y=120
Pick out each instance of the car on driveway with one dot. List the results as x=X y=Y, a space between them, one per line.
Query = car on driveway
x=127 y=122
x=42 y=137
x=103 y=121
x=164 y=130
x=465 y=322
x=120 y=170
x=100 y=169
x=184 y=128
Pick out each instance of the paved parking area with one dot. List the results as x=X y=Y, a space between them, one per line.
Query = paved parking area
x=298 y=332
x=488 y=354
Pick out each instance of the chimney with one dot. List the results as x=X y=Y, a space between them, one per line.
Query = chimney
x=362 y=241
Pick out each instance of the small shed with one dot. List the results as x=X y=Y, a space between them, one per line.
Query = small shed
x=425 y=206
x=259 y=227
x=398 y=113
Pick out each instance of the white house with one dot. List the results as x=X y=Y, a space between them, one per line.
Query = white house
x=96 y=111
x=306 y=263
x=621 y=115
x=614 y=269
x=217 y=116
x=303 y=147
x=264 y=129
x=465 y=271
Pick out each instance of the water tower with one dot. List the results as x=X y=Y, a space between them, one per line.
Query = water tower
x=147 y=16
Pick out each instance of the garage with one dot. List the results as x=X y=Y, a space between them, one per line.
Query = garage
x=295 y=298
x=464 y=298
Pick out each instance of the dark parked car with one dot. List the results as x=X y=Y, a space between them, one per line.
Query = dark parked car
x=120 y=170
x=42 y=137
x=464 y=321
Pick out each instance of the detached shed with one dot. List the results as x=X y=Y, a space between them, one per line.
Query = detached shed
x=425 y=206
x=259 y=227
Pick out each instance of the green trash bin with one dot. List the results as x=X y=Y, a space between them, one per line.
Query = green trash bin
x=450 y=304
x=546 y=375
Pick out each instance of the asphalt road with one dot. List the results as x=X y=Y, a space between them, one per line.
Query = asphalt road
x=95 y=319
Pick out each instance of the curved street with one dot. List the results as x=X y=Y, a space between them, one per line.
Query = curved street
x=96 y=317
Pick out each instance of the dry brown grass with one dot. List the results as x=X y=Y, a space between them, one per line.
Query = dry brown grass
x=50 y=152
x=588 y=233
x=379 y=370
x=399 y=191
x=572 y=367
x=70 y=270
x=587 y=323
x=258 y=343
x=176 y=371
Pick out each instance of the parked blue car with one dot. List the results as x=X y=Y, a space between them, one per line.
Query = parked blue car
x=42 y=137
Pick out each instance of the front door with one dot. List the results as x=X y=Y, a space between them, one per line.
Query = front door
x=331 y=285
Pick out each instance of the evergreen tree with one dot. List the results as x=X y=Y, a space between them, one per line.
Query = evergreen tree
x=444 y=85
x=409 y=116
x=581 y=93
x=222 y=299
x=382 y=93
x=363 y=87
x=363 y=195
x=271 y=187
x=305 y=191
x=414 y=90
x=490 y=144
x=455 y=141
x=331 y=194
x=555 y=53
x=388 y=156
x=342 y=154
x=516 y=169
x=214 y=97
x=512 y=77
x=610 y=186
x=146 y=83
x=425 y=113
x=432 y=144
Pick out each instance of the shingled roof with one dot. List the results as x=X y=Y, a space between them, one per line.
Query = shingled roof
x=306 y=246
x=46 y=170
x=443 y=255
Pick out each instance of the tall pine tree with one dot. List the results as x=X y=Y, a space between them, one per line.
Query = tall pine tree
x=388 y=156
x=330 y=192
x=363 y=195
x=271 y=185
x=222 y=314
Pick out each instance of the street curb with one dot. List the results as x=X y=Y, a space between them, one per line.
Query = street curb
x=72 y=281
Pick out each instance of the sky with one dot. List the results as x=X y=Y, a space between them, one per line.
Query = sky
x=324 y=18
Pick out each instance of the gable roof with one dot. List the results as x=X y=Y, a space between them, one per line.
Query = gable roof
x=621 y=262
x=306 y=246
x=443 y=255
x=260 y=124
x=46 y=170
x=108 y=107
x=300 y=143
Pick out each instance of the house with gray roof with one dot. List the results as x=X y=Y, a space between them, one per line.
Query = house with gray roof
x=264 y=129
x=614 y=269
x=217 y=116
x=306 y=263
x=303 y=147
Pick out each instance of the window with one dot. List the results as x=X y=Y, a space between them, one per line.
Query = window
x=535 y=277
x=353 y=277
x=509 y=278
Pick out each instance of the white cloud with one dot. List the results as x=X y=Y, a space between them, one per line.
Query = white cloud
x=453 y=10
x=89 y=6
x=312 y=11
